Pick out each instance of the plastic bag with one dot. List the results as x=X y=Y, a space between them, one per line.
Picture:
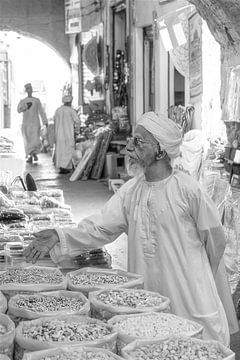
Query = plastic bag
x=30 y=315
x=151 y=326
x=53 y=279
x=105 y=311
x=73 y=352
x=7 y=338
x=5 y=202
x=106 y=278
x=76 y=322
x=3 y=303
x=128 y=352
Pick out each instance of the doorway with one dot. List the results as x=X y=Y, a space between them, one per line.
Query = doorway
x=148 y=70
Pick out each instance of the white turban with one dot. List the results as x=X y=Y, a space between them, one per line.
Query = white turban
x=164 y=130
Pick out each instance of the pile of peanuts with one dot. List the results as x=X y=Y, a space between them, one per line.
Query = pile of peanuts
x=93 y=279
x=3 y=329
x=154 y=325
x=64 y=331
x=81 y=355
x=42 y=303
x=30 y=276
x=177 y=349
x=131 y=298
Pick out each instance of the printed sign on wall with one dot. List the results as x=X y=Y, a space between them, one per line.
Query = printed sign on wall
x=73 y=16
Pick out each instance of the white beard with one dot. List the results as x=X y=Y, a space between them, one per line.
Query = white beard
x=134 y=168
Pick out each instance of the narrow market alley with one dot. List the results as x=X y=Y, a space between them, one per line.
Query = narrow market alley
x=85 y=198
x=119 y=89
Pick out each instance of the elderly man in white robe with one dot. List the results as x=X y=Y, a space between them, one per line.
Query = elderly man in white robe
x=175 y=237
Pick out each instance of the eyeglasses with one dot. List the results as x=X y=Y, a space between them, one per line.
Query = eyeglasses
x=137 y=142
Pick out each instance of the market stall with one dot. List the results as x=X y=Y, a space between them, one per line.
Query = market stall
x=47 y=308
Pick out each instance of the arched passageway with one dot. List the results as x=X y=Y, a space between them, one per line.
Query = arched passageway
x=31 y=60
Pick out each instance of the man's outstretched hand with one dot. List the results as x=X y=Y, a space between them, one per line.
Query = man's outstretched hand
x=44 y=241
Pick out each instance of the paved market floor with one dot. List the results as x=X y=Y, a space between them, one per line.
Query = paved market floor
x=85 y=198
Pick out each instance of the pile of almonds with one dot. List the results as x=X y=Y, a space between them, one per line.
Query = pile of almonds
x=130 y=298
x=49 y=303
x=93 y=279
x=152 y=325
x=63 y=331
x=177 y=349
x=30 y=276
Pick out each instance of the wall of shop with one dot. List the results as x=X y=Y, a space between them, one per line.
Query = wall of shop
x=44 y=20
x=144 y=16
x=207 y=114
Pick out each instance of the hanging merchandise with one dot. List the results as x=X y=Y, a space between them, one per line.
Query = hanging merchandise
x=182 y=115
x=120 y=79
x=90 y=55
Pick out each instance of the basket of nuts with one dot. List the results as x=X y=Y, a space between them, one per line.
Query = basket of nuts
x=45 y=333
x=177 y=348
x=7 y=333
x=93 y=279
x=110 y=302
x=51 y=303
x=149 y=326
x=32 y=278
x=74 y=352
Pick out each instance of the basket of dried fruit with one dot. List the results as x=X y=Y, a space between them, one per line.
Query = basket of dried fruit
x=7 y=333
x=149 y=326
x=45 y=333
x=110 y=302
x=177 y=348
x=32 y=278
x=74 y=352
x=92 y=279
x=51 y=303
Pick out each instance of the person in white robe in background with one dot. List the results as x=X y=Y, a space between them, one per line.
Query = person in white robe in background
x=175 y=237
x=64 y=119
x=32 y=110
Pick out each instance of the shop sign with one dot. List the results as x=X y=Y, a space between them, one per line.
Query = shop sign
x=195 y=57
x=73 y=16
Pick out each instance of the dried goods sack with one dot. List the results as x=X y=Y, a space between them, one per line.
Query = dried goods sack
x=149 y=326
x=72 y=353
x=7 y=333
x=91 y=279
x=3 y=303
x=177 y=348
x=45 y=333
x=32 y=278
x=50 y=303
x=110 y=302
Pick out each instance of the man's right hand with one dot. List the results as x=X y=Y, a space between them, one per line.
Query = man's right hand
x=39 y=247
